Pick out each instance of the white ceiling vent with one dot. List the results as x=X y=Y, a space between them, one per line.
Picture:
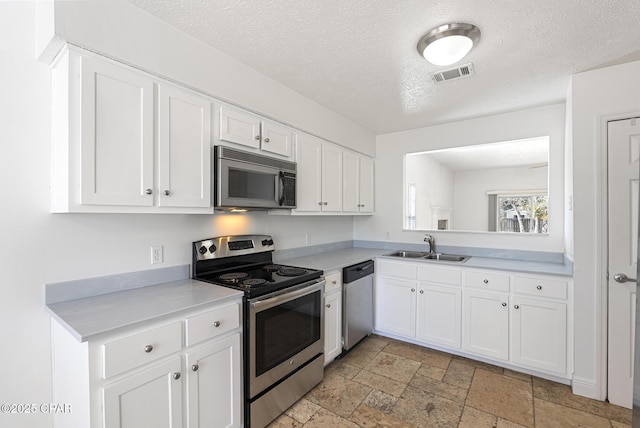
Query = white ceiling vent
x=465 y=70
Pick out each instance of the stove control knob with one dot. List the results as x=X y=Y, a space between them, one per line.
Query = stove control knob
x=212 y=248
x=202 y=249
x=265 y=242
x=270 y=241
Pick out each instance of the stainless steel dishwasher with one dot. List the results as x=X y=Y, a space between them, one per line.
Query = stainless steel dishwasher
x=357 y=303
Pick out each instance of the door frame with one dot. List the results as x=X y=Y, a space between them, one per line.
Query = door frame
x=603 y=253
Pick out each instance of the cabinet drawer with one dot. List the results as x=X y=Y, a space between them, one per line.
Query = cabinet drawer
x=439 y=275
x=333 y=281
x=132 y=351
x=400 y=270
x=212 y=323
x=487 y=281
x=543 y=287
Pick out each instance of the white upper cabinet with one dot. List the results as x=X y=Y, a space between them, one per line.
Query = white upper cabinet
x=116 y=140
x=331 y=179
x=117 y=147
x=250 y=130
x=357 y=183
x=184 y=143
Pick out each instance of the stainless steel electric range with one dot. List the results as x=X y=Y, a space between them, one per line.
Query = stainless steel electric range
x=283 y=320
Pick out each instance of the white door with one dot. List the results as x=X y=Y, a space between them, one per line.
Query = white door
x=184 y=142
x=366 y=184
x=439 y=317
x=623 y=154
x=331 y=178
x=539 y=334
x=486 y=324
x=116 y=148
x=147 y=398
x=276 y=138
x=239 y=126
x=396 y=306
x=332 y=325
x=309 y=173
x=350 y=182
x=213 y=384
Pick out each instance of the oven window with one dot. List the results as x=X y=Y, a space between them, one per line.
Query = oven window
x=251 y=185
x=285 y=330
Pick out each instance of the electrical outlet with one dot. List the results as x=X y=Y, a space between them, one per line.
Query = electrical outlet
x=157 y=255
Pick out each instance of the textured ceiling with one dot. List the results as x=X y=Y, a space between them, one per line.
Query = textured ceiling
x=359 y=58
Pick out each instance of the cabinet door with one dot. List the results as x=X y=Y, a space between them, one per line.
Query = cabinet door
x=332 y=325
x=350 y=182
x=539 y=334
x=367 y=188
x=184 y=155
x=241 y=127
x=439 y=315
x=396 y=306
x=116 y=147
x=309 y=174
x=276 y=138
x=148 y=398
x=214 y=398
x=331 y=178
x=486 y=324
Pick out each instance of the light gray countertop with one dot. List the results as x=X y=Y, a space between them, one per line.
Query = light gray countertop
x=89 y=317
x=338 y=259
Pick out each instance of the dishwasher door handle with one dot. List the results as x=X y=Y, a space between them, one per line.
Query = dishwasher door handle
x=365 y=267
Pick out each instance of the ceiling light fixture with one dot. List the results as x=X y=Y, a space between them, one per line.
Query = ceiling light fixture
x=448 y=43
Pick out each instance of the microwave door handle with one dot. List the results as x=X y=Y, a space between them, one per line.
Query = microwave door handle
x=281 y=199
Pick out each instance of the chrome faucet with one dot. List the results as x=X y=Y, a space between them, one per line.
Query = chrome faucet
x=432 y=243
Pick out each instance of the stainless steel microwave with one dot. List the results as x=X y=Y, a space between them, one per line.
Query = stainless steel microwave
x=245 y=180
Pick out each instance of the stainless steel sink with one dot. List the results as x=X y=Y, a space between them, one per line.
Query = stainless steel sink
x=408 y=254
x=447 y=257
x=440 y=257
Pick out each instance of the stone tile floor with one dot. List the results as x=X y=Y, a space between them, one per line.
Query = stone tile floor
x=389 y=383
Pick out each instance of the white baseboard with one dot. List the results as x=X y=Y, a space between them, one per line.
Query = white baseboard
x=586 y=388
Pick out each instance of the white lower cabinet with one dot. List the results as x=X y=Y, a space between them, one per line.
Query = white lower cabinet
x=332 y=316
x=140 y=378
x=509 y=318
x=148 y=398
x=539 y=334
x=486 y=324
x=213 y=384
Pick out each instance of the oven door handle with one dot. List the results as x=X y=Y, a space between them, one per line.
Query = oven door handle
x=287 y=296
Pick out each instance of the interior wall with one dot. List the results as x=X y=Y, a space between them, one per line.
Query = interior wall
x=434 y=187
x=40 y=248
x=387 y=224
x=471 y=202
x=596 y=95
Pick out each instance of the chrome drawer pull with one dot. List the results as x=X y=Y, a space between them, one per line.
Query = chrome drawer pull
x=216 y=323
x=148 y=348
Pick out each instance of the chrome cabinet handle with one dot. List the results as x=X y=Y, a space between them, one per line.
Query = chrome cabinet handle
x=421 y=291
x=516 y=306
x=319 y=203
x=413 y=290
x=257 y=137
x=148 y=191
x=328 y=305
x=324 y=203
x=334 y=282
x=504 y=304
x=176 y=375
x=167 y=193
x=266 y=140
x=539 y=287
x=148 y=348
x=486 y=281
x=622 y=278
x=216 y=323
x=194 y=367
